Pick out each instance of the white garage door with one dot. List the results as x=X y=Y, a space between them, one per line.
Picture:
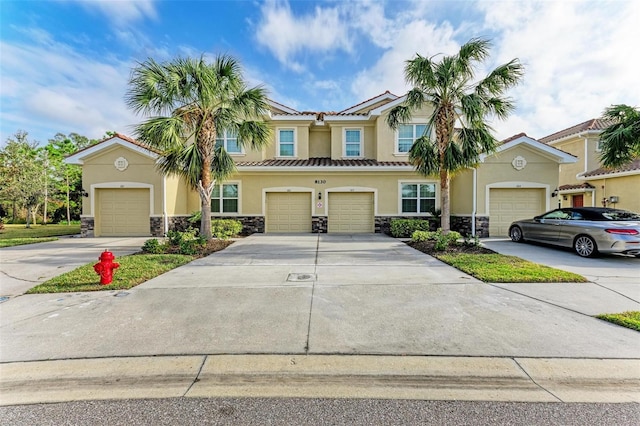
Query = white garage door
x=123 y=213
x=351 y=212
x=288 y=212
x=507 y=205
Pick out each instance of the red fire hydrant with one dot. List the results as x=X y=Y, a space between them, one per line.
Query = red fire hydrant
x=105 y=267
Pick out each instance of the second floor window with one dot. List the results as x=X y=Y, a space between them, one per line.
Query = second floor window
x=352 y=142
x=407 y=134
x=229 y=140
x=286 y=143
x=224 y=198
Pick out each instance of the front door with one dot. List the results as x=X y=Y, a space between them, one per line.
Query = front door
x=578 y=201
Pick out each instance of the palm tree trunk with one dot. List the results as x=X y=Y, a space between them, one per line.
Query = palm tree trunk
x=205 y=188
x=445 y=208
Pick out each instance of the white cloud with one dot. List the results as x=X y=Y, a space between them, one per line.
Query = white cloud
x=52 y=86
x=576 y=55
x=286 y=35
x=122 y=12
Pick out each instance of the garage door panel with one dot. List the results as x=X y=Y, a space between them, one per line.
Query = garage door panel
x=351 y=212
x=123 y=212
x=288 y=212
x=510 y=204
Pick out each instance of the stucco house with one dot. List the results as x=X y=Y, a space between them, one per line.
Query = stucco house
x=343 y=171
x=586 y=182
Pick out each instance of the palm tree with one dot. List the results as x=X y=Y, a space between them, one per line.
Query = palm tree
x=621 y=140
x=189 y=102
x=460 y=110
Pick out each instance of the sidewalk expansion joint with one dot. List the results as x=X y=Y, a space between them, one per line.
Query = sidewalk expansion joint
x=534 y=382
x=197 y=378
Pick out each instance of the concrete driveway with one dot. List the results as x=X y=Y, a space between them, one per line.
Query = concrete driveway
x=312 y=294
x=616 y=273
x=23 y=267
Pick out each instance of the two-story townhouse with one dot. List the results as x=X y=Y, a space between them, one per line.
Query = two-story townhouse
x=587 y=182
x=345 y=171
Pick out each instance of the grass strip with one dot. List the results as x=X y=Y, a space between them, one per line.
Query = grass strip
x=17 y=235
x=629 y=319
x=133 y=270
x=22 y=241
x=498 y=268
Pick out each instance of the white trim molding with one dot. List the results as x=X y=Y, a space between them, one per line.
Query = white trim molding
x=79 y=157
x=417 y=182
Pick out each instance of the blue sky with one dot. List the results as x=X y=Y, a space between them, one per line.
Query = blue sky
x=64 y=64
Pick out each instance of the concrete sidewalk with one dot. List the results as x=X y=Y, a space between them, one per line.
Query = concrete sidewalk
x=338 y=301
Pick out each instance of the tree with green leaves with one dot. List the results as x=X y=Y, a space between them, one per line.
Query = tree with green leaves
x=22 y=174
x=458 y=128
x=621 y=140
x=189 y=102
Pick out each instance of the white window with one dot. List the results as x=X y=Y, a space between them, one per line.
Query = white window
x=407 y=134
x=229 y=140
x=352 y=142
x=286 y=143
x=224 y=198
x=418 y=197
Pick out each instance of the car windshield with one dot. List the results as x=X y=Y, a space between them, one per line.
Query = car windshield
x=620 y=215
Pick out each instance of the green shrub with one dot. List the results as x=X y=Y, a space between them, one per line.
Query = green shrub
x=420 y=236
x=153 y=246
x=191 y=247
x=404 y=228
x=177 y=237
x=225 y=228
x=445 y=240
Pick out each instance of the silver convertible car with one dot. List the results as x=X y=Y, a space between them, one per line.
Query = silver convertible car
x=589 y=230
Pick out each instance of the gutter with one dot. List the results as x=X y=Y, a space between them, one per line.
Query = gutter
x=165 y=219
x=475 y=202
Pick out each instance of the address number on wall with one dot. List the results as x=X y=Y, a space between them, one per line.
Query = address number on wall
x=321 y=181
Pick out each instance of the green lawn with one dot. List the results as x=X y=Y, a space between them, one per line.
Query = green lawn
x=497 y=268
x=15 y=235
x=629 y=319
x=133 y=270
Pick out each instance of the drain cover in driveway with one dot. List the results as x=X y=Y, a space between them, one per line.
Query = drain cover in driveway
x=297 y=277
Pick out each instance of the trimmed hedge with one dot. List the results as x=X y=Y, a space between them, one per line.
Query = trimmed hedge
x=225 y=228
x=404 y=228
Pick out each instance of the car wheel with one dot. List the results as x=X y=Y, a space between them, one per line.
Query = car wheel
x=516 y=234
x=585 y=246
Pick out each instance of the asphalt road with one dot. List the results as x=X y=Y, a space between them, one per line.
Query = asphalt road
x=260 y=411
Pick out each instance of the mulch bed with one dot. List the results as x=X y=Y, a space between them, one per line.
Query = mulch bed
x=428 y=248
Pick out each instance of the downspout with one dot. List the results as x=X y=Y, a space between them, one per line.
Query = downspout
x=475 y=202
x=165 y=219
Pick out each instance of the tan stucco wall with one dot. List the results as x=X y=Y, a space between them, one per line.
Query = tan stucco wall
x=497 y=171
x=626 y=188
x=320 y=142
x=177 y=196
x=386 y=185
x=99 y=169
x=576 y=147
x=461 y=193
x=386 y=137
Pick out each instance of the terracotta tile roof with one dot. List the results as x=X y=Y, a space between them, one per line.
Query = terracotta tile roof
x=595 y=124
x=321 y=162
x=629 y=167
x=585 y=185
x=512 y=138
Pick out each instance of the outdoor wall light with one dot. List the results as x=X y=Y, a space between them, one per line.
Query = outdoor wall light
x=554 y=193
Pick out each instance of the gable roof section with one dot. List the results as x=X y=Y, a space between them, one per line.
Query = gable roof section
x=117 y=139
x=522 y=139
x=595 y=125
x=362 y=106
x=631 y=168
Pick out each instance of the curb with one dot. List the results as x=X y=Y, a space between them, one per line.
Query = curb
x=323 y=376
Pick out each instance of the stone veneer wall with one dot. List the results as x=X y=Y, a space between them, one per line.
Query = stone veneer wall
x=156 y=226
x=462 y=224
x=86 y=226
x=319 y=224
